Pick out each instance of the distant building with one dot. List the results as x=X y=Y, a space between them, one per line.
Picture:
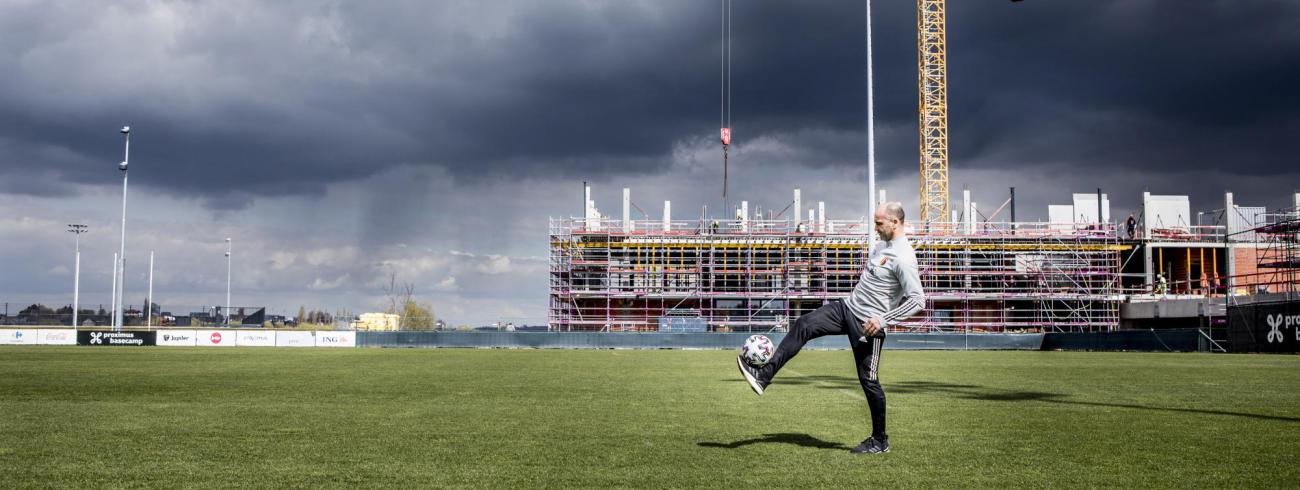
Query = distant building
x=377 y=322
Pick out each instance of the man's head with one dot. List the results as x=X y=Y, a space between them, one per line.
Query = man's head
x=889 y=220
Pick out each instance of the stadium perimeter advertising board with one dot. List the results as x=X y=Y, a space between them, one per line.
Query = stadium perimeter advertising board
x=19 y=337
x=178 y=338
x=58 y=337
x=109 y=338
x=1265 y=327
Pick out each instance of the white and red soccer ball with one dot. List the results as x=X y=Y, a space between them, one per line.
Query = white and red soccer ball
x=757 y=350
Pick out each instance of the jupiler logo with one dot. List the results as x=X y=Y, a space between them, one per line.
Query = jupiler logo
x=96 y=337
x=1274 y=323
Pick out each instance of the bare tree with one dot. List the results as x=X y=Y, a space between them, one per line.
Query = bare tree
x=401 y=301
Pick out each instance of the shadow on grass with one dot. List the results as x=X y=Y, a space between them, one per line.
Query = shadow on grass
x=804 y=440
x=983 y=393
x=824 y=381
x=975 y=392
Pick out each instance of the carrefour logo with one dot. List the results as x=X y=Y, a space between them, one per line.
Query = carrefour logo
x=1277 y=322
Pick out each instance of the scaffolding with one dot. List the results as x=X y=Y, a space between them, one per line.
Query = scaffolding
x=762 y=275
x=1277 y=259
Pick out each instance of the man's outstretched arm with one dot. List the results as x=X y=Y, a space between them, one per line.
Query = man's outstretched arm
x=909 y=278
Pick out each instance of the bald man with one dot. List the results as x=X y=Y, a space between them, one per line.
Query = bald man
x=888 y=292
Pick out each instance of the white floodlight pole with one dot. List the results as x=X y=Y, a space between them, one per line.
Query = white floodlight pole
x=112 y=320
x=126 y=159
x=227 y=281
x=77 y=229
x=871 y=143
x=76 y=283
x=148 y=322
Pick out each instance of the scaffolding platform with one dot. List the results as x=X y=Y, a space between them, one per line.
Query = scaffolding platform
x=759 y=276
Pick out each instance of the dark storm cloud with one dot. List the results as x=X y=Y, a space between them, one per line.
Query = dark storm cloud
x=1159 y=85
x=230 y=104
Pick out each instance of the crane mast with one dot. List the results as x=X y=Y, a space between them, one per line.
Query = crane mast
x=932 y=71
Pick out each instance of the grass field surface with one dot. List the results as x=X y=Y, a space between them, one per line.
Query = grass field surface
x=264 y=417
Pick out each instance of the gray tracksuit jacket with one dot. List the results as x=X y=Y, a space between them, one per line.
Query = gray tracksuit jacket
x=890 y=286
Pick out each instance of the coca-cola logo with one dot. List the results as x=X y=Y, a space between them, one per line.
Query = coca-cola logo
x=215 y=338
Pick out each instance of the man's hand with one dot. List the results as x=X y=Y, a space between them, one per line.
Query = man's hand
x=871 y=327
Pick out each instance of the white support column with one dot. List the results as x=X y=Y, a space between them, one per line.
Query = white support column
x=1229 y=215
x=882 y=199
x=668 y=215
x=1229 y=223
x=1149 y=275
x=798 y=208
x=744 y=216
x=821 y=216
x=972 y=224
x=588 y=208
x=953 y=212
x=812 y=219
x=627 y=210
x=1146 y=220
x=1297 y=212
x=965 y=210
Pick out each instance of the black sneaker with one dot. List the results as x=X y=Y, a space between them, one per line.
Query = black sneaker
x=871 y=446
x=751 y=375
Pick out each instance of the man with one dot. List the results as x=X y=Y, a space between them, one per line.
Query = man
x=888 y=292
x=1130 y=225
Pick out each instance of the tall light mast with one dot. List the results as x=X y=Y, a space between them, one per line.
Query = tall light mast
x=932 y=75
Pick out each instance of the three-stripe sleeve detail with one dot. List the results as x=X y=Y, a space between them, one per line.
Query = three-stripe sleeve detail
x=908 y=308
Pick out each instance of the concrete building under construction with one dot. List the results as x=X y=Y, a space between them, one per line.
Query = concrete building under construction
x=755 y=273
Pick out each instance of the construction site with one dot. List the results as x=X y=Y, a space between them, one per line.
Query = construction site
x=754 y=274
x=1082 y=270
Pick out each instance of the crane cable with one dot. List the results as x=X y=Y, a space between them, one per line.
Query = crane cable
x=726 y=94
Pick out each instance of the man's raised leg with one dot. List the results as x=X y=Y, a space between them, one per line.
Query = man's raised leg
x=830 y=319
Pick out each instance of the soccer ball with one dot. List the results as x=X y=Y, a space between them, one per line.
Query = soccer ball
x=757 y=350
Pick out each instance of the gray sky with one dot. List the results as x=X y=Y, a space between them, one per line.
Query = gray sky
x=340 y=142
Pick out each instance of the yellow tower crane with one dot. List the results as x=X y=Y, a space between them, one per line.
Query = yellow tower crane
x=932 y=92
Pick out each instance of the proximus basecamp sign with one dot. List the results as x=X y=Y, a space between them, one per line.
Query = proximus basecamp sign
x=1265 y=327
x=110 y=338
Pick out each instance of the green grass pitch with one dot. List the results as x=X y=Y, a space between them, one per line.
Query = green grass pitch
x=249 y=417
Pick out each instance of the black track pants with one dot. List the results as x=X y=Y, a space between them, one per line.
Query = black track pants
x=835 y=319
